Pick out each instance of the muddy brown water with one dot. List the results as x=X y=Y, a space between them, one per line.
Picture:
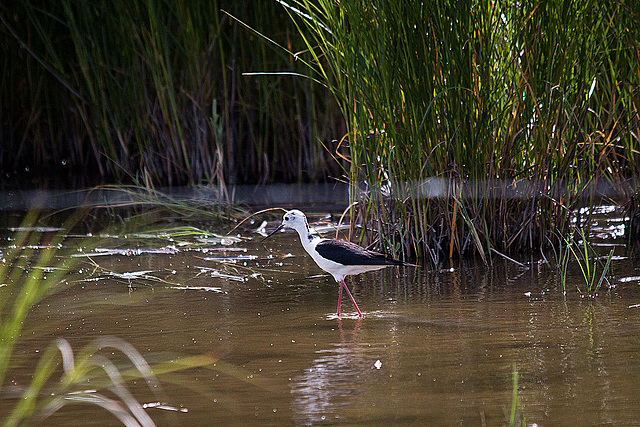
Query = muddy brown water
x=436 y=346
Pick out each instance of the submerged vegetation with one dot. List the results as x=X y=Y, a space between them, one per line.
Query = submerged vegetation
x=470 y=126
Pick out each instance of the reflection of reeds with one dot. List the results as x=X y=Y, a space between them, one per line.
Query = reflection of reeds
x=472 y=92
x=516 y=417
x=153 y=93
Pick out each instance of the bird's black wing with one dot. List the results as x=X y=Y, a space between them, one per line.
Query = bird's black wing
x=347 y=253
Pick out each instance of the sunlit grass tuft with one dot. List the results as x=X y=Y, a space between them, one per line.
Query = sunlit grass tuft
x=595 y=272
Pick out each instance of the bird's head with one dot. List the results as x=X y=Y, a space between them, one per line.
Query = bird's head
x=293 y=219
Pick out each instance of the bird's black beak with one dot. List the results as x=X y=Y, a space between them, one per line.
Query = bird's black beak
x=273 y=232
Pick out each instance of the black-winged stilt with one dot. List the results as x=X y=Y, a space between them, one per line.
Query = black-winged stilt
x=337 y=257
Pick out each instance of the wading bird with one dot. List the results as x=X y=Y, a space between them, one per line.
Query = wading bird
x=337 y=257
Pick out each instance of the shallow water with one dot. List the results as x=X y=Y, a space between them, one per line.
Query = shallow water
x=436 y=346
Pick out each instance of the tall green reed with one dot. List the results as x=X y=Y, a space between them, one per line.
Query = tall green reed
x=515 y=110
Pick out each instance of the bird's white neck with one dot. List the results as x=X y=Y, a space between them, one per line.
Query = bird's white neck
x=307 y=237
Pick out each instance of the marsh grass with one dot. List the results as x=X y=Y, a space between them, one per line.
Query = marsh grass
x=153 y=93
x=595 y=270
x=576 y=249
x=562 y=254
x=142 y=204
x=519 y=110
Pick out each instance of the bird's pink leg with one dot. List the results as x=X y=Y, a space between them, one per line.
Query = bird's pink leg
x=339 y=298
x=351 y=297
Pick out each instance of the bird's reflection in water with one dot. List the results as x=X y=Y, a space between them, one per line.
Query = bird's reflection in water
x=334 y=377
